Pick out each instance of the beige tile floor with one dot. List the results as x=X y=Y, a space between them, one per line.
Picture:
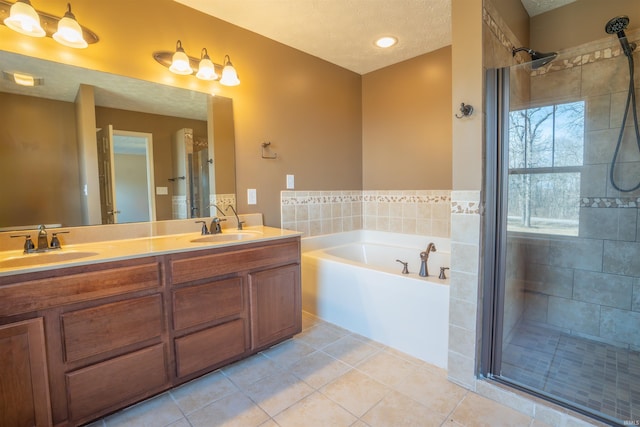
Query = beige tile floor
x=327 y=377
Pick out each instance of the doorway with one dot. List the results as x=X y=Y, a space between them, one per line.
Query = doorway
x=126 y=176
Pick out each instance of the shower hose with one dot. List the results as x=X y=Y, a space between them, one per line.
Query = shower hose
x=631 y=98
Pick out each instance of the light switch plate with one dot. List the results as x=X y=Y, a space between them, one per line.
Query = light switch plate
x=251 y=196
x=290 y=182
x=161 y=191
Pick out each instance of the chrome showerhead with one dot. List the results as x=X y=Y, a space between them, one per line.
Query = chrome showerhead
x=617 y=26
x=538 y=59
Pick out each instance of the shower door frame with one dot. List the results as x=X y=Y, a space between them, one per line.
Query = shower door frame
x=494 y=244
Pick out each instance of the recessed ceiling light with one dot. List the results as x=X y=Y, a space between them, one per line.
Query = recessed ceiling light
x=23 y=79
x=386 y=41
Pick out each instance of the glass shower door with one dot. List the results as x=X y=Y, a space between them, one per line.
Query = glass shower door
x=568 y=282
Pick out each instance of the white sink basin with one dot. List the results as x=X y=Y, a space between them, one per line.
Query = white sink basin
x=30 y=260
x=232 y=236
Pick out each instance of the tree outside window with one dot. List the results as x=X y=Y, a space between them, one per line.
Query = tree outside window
x=545 y=157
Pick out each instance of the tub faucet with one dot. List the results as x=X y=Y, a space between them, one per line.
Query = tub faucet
x=424 y=258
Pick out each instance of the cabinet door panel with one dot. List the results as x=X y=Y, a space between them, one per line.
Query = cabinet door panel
x=116 y=382
x=24 y=389
x=276 y=310
x=209 y=347
x=200 y=304
x=111 y=326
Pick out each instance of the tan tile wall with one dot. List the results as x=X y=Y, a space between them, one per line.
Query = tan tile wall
x=463 y=287
x=423 y=212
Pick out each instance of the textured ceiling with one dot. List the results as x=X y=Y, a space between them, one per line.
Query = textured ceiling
x=61 y=82
x=536 y=7
x=342 y=32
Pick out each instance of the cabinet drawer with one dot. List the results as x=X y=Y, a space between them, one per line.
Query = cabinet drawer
x=108 y=327
x=34 y=295
x=197 y=268
x=200 y=304
x=116 y=382
x=207 y=348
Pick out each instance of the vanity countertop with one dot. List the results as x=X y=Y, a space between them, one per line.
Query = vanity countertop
x=16 y=262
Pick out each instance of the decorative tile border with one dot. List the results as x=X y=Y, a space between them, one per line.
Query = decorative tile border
x=610 y=202
x=594 y=54
x=497 y=30
x=466 y=208
x=318 y=197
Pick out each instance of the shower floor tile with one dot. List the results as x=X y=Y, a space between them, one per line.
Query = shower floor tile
x=595 y=375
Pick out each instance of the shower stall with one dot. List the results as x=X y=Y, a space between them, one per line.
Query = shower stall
x=562 y=320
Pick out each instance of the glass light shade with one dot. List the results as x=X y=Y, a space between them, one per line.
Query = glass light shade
x=180 y=63
x=24 y=19
x=206 y=70
x=69 y=32
x=229 y=75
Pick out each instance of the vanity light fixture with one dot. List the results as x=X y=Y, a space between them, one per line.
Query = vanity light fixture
x=179 y=62
x=386 y=41
x=206 y=69
x=23 y=18
x=69 y=32
x=229 y=74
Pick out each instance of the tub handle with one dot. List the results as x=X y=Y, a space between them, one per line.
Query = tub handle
x=442 y=270
x=405 y=270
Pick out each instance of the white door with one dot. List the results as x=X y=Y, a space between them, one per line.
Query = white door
x=106 y=173
x=125 y=165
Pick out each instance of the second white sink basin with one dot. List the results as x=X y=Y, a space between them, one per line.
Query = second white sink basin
x=29 y=260
x=227 y=237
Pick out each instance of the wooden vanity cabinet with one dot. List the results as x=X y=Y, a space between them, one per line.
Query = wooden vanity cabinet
x=81 y=342
x=103 y=328
x=216 y=295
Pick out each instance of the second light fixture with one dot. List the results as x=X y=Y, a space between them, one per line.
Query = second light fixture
x=179 y=62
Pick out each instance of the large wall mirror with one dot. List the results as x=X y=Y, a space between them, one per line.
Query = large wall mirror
x=157 y=152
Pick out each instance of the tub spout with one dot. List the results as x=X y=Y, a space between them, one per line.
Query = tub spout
x=424 y=258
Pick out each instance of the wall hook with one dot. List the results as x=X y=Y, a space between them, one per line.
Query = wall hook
x=466 y=110
x=265 y=148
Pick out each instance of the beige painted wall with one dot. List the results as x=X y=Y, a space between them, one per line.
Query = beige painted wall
x=406 y=124
x=309 y=109
x=579 y=22
x=37 y=186
x=467 y=79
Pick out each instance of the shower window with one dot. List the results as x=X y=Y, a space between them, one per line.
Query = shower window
x=545 y=157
